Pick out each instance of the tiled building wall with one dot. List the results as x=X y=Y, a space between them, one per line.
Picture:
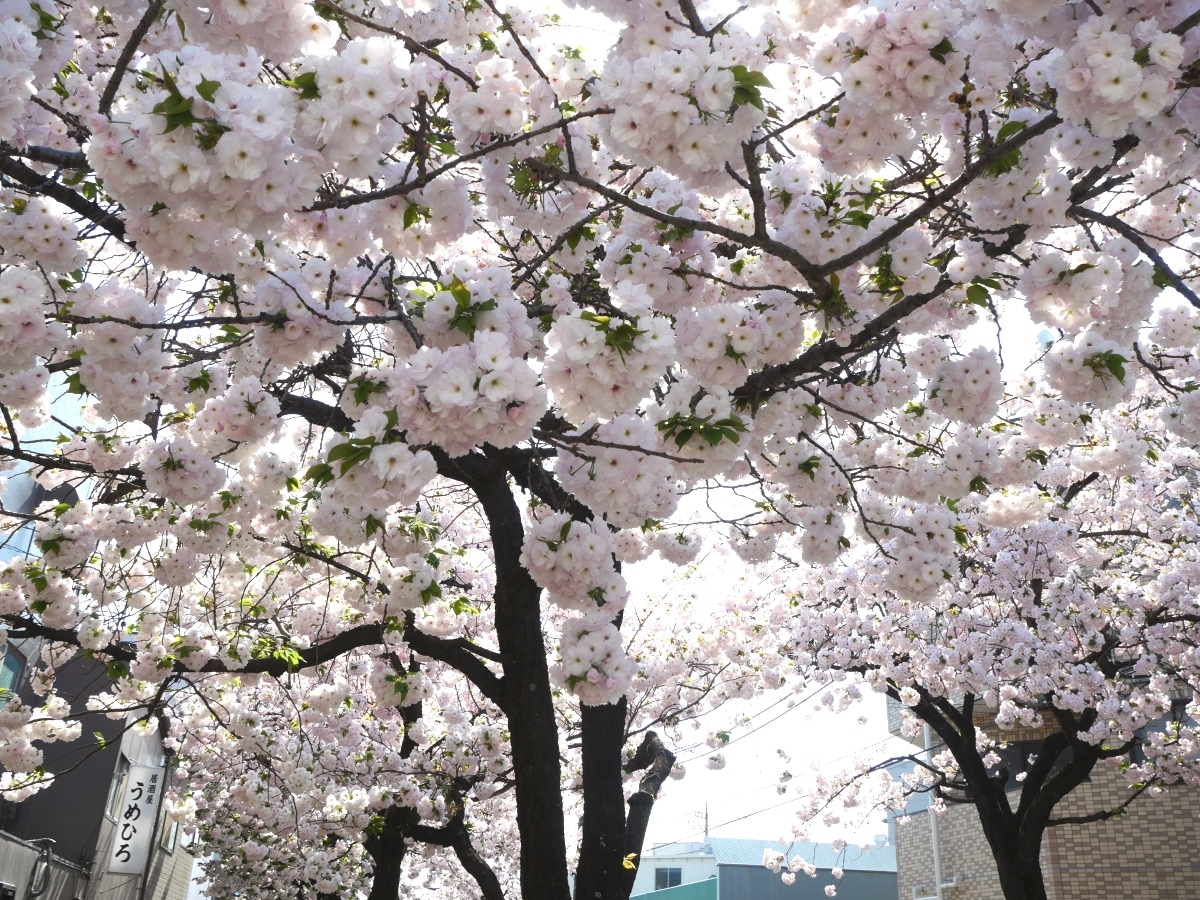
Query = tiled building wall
x=1153 y=851
x=964 y=853
x=170 y=873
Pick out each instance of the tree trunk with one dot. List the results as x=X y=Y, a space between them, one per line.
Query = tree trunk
x=533 y=730
x=387 y=849
x=603 y=850
x=1021 y=877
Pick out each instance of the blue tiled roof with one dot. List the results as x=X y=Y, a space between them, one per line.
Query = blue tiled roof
x=749 y=852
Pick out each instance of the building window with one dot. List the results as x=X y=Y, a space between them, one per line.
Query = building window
x=169 y=835
x=11 y=668
x=117 y=788
x=665 y=878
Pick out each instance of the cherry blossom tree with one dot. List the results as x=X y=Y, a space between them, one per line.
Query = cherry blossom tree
x=405 y=331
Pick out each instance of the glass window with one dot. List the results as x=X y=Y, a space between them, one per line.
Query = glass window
x=665 y=878
x=169 y=835
x=117 y=788
x=11 y=668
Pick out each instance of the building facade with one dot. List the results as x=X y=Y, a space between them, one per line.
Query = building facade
x=732 y=869
x=65 y=842
x=69 y=835
x=1150 y=853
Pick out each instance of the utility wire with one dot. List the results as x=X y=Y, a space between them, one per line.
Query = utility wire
x=791 y=799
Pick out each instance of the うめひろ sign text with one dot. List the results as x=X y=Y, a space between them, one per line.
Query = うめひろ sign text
x=135 y=820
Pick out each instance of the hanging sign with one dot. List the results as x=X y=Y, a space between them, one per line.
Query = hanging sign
x=135 y=820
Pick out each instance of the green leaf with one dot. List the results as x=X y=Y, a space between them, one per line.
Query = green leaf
x=747 y=86
x=575 y=235
x=207 y=89
x=75 y=385
x=462 y=604
x=1008 y=130
x=809 y=467
x=201 y=382
x=941 y=50
x=399 y=685
x=319 y=474
x=683 y=428
x=290 y=656
x=749 y=78
x=210 y=133
x=47 y=24
x=351 y=453
x=414 y=214
x=858 y=217
x=1160 y=278
x=1005 y=163
x=977 y=295
x=306 y=84
x=364 y=387
x=960 y=535
x=1107 y=363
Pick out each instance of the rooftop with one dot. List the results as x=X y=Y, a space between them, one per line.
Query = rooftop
x=749 y=852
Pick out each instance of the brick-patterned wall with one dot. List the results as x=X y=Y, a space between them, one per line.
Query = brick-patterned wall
x=1153 y=851
x=964 y=852
x=1150 y=853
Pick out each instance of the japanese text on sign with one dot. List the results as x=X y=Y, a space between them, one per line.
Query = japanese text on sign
x=135 y=820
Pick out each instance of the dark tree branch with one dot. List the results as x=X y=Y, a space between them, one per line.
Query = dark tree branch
x=63 y=159
x=149 y=17
x=416 y=48
x=73 y=200
x=1135 y=237
x=657 y=761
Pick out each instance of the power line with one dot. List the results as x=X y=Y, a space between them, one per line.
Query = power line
x=796 y=706
x=791 y=799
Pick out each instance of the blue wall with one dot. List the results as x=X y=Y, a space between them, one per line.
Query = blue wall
x=760 y=883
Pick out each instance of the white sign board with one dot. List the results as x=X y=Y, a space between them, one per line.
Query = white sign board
x=135 y=820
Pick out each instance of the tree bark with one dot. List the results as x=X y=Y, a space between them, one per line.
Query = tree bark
x=387 y=849
x=533 y=730
x=603 y=849
x=657 y=760
x=1020 y=877
x=1014 y=837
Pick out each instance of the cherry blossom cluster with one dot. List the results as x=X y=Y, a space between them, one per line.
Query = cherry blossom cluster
x=35 y=232
x=625 y=486
x=123 y=367
x=592 y=663
x=678 y=101
x=598 y=365
x=573 y=561
x=18 y=53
